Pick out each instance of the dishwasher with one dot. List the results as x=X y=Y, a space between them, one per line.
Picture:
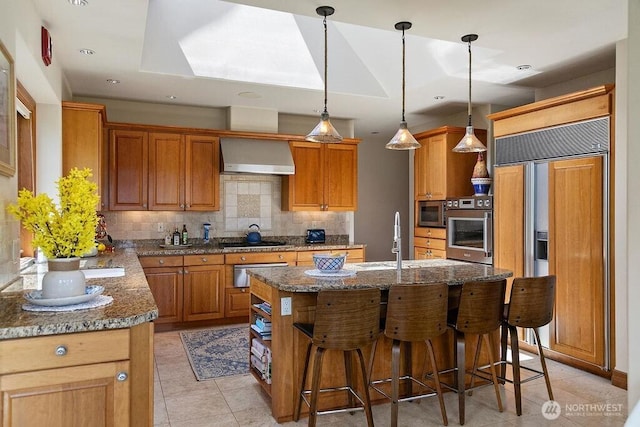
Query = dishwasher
x=240 y=276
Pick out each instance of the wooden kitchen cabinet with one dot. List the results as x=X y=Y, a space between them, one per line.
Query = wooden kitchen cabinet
x=81 y=379
x=186 y=289
x=128 y=170
x=326 y=177
x=237 y=302
x=163 y=171
x=83 y=145
x=430 y=243
x=439 y=172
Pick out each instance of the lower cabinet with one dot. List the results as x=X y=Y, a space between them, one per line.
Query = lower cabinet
x=237 y=302
x=100 y=378
x=430 y=243
x=186 y=289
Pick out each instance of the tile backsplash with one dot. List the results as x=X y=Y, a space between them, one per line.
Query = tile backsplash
x=245 y=200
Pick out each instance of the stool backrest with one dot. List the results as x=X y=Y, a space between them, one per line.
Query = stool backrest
x=416 y=312
x=481 y=306
x=532 y=300
x=347 y=319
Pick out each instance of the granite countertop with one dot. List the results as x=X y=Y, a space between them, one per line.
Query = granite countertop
x=379 y=275
x=132 y=303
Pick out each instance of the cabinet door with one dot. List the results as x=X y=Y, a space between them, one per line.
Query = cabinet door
x=238 y=301
x=165 y=284
x=341 y=177
x=202 y=180
x=89 y=395
x=166 y=172
x=82 y=143
x=575 y=258
x=304 y=191
x=203 y=292
x=128 y=170
x=436 y=165
x=508 y=222
x=420 y=170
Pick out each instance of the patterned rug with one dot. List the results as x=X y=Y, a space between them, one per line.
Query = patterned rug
x=217 y=352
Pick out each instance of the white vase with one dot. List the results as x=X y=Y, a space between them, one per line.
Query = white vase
x=64 y=279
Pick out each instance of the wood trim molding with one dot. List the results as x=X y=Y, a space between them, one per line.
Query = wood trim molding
x=619 y=379
x=69 y=105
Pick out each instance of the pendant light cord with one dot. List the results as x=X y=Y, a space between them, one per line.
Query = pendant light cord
x=403 y=71
x=469 y=106
x=325 y=62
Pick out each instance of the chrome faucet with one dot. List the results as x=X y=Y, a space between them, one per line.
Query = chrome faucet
x=397 y=244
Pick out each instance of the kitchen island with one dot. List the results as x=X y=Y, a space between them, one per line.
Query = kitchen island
x=287 y=295
x=101 y=357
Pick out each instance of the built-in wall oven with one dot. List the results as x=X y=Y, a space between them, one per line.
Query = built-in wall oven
x=470 y=229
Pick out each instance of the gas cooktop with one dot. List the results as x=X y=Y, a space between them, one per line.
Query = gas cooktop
x=261 y=244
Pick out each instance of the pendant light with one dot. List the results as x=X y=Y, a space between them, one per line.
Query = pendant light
x=403 y=140
x=324 y=131
x=469 y=142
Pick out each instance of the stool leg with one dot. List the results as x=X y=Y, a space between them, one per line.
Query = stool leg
x=348 y=372
x=365 y=392
x=436 y=379
x=315 y=386
x=543 y=363
x=296 y=413
x=395 y=381
x=460 y=371
x=475 y=365
x=515 y=360
x=371 y=359
x=503 y=351
x=494 y=377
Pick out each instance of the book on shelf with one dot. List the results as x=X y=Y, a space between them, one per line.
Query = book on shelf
x=264 y=306
x=263 y=324
x=265 y=335
x=261 y=359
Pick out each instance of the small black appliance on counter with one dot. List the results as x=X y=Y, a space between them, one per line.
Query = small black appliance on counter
x=315 y=235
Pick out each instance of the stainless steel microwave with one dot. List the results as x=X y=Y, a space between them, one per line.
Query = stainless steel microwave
x=430 y=213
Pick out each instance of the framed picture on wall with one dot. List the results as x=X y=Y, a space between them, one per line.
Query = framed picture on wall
x=7 y=114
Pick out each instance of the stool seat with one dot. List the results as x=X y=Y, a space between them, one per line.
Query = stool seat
x=345 y=320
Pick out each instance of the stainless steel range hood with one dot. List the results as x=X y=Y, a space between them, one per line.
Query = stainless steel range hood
x=256 y=156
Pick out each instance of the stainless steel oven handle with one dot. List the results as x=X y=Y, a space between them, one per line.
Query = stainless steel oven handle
x=487 y=231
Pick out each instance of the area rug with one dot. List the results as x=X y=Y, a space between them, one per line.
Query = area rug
x=219 y=352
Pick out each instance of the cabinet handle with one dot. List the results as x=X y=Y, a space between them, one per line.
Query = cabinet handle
x=161 y=261
x=144 y=205
x=243 y=290
x=181 y=206
x=280 y=257
x=122 y=376
x=204 y=259
x=61 y=350
x=243 y=258
x=185 y=271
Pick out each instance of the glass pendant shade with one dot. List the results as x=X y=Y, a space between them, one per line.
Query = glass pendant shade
x=469 y=143
x=403 y=139
x=324 y=131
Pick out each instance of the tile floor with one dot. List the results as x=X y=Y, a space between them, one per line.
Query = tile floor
x=238 y=401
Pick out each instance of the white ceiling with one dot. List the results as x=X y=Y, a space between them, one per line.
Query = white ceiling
x=152 y=48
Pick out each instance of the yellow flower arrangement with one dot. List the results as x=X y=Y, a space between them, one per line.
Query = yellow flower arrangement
x=67 y=231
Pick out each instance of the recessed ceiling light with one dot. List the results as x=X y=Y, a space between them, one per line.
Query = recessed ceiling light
x=438 y=97
x=523 y=67
x=113 y=81
x=171 y=96
x=251 y=95
x=87 y=51
x=79 y=2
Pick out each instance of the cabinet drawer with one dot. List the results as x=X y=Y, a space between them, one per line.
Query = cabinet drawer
x=161 y=261
x=353 y=255
x=260 y=257
x=434 y=233
x=55 y=351
x=426 y=253
x=206 y=259
x=430 y=243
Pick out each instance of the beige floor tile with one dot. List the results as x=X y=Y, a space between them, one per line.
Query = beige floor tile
x=196 y=407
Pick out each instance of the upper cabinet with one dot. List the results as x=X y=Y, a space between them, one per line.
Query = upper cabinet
x=439 y=172
x=164 y=171
x=326 y=177
x=82 y=143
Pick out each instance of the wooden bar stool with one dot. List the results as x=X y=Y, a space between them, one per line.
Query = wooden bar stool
x=346 y=320
x=414 y=313
x=479 y=312
x=530 y=306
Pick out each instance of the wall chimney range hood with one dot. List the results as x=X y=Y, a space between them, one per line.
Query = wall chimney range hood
x=260 y=156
